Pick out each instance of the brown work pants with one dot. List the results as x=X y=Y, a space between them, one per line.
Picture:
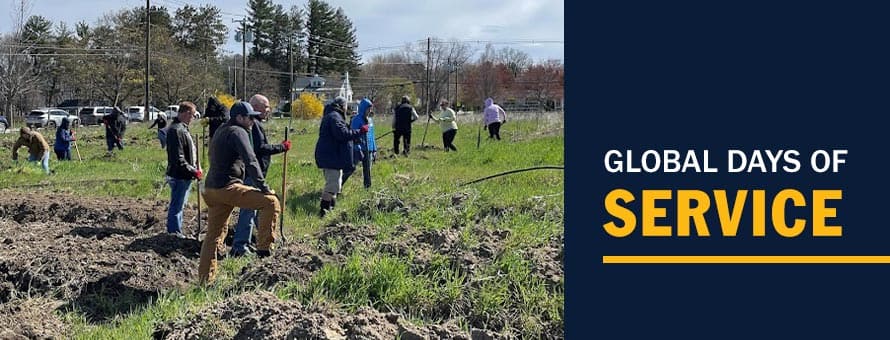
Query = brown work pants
x=220 y=203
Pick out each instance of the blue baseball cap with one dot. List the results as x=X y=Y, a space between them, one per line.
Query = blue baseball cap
x=243 y=108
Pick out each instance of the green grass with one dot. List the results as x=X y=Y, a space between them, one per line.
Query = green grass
x=416 y=191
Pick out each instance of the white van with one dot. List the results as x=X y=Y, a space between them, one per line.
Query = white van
x=137 y=113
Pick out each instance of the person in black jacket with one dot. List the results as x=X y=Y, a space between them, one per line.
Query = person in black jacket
x=401 y=124
x=115 y=125
x=161 y=123
x=232 y=160
x=182 y=166
x=334 y=151
x=217 y=114
x=264 y=151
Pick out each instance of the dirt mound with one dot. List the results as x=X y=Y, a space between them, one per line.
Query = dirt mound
x=261 y=315
x=95 y=264
x=293 y=263
x=43 y=207
x=31 y=319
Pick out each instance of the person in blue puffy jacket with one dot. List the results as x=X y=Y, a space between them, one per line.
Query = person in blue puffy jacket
x=362 y=144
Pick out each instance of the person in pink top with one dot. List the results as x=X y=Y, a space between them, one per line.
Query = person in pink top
x=493 y=113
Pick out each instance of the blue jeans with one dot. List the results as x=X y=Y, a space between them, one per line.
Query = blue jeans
x=247 y=219
x=162 y=137
x=44 y=161
x=179 y=194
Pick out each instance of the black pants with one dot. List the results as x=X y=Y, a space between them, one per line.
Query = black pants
x=63 y=155
x=406 y=137
x=448 y=139
x=111 y=141
x=494 y=130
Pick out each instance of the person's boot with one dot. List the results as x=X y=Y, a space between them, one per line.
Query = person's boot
x=263 y=253
x=325 y=207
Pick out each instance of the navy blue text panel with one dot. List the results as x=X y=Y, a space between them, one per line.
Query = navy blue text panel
x=728 y=168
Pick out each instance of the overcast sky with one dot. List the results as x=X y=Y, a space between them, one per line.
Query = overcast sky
x=378 y=23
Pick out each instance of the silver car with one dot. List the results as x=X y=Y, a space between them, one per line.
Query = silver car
x=49 y=117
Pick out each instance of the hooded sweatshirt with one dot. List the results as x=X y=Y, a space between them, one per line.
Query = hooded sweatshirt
x=37 y=146
x=361 y=119
x=216 y=113
x=63 y=136
x=493 y=112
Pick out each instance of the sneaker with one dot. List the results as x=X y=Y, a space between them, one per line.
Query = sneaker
x=178 y=235
x=240 y=253
x=263 y=253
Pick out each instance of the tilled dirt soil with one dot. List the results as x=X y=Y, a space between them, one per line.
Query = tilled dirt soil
x=60 y=252
x=98 y=258
x=261 y=315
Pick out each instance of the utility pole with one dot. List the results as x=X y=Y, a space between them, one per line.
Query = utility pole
x=427 y=95
x=243 y=35
x=290 y=56
x=147 y=55
x=244 y=58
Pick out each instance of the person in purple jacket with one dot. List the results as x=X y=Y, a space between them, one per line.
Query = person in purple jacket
x=492 y=116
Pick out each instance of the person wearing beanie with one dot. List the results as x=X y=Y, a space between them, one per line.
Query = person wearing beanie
x=334 y=151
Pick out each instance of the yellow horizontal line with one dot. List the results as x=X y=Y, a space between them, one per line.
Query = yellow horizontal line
x=752 y=259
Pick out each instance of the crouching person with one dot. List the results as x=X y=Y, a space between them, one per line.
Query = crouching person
x=232 y=160
x=38 y=149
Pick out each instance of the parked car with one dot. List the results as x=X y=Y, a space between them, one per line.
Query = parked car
x=92 y=115
x=137 y=113
x=173 y=110
x=49 y=117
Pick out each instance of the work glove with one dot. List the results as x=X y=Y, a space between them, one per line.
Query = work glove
x=286 y=145
x=199 y=174
x=364 y=128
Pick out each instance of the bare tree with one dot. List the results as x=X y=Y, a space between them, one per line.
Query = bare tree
x=545 y=82
x=19 y=78
x=444 y=57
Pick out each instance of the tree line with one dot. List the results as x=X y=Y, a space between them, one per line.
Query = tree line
x=44 y=63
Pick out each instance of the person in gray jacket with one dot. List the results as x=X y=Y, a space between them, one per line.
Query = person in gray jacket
x=232 y=159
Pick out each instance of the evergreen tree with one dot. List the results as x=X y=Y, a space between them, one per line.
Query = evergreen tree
x=319 y=23
x=269 y=23
x=331 y=42
x=344 y=56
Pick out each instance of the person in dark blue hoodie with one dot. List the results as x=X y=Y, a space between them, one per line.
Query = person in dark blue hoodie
x=64 y=137
x=362 y=145
x=334 y=151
